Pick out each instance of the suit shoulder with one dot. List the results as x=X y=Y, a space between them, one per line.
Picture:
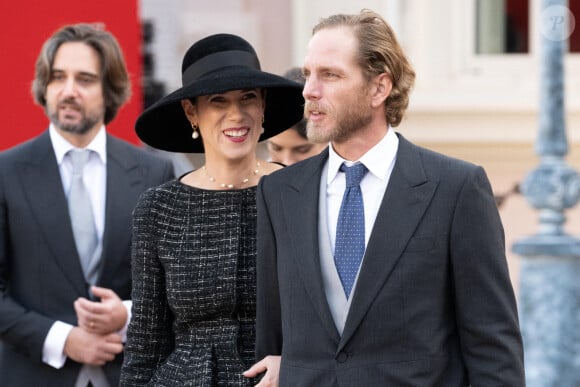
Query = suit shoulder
x=285 y=175
x=157 y=196
x=436 y=161
x=19 y=150
x=126 y=146
x=418 y=163
x=297 y=169
x=135 y=151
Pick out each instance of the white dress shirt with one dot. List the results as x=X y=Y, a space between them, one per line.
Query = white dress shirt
x=379 y=161
x=95 y=180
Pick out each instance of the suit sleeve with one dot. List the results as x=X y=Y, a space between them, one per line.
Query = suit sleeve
x=268 y=315
x=159 y=169
x=149 y=337
x=168 y=172
x=486 y=310
x=23 y=329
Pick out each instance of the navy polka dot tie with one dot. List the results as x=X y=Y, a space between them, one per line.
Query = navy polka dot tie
x=350 y=230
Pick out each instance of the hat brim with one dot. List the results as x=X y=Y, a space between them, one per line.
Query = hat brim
x=164 y=125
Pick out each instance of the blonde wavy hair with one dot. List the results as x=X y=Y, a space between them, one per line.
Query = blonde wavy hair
x=379 y=52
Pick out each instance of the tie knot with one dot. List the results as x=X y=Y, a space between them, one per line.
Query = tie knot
x=354 y=174
x=79 y=158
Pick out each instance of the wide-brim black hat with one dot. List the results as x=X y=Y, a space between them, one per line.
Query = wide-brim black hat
x=216 y=64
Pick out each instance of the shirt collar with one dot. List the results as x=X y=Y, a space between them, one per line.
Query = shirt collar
x=61 y=146
x=378 y=160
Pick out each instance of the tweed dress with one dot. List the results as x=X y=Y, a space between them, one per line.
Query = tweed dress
x=194 y=288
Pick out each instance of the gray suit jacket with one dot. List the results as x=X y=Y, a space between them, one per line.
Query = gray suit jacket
x=40 y=271
x=433 y=306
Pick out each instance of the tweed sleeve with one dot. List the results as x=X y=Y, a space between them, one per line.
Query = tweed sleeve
x=150 y=335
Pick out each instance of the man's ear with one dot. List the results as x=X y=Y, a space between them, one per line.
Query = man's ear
x=382 y=89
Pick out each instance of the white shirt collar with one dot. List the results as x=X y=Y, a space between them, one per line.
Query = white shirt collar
x=378 y=160
x=61 y=146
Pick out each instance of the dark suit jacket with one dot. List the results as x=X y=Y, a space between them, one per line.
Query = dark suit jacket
x=40 y=271
x=433 y=306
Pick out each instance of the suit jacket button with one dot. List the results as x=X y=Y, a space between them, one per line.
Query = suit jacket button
x=342 y=357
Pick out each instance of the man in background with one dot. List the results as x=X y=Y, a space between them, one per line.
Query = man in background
x=292 y=145
x=66 y=201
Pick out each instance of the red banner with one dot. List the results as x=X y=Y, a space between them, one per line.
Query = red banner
x=25 y=27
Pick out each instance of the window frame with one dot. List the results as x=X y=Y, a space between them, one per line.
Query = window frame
x=506 y=74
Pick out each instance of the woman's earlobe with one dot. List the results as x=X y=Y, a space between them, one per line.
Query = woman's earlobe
x=188 y=109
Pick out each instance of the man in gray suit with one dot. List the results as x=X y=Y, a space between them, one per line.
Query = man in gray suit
x=62 y=316
x=416 y=292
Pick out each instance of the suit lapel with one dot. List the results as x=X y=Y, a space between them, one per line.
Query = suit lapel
x=124 y=182
x=407 y=197
x=49 y=207
x=301 y=198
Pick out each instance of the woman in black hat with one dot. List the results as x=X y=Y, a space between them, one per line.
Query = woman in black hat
x=194 y=239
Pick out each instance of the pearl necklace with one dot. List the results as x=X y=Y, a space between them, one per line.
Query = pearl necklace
x=254 y=172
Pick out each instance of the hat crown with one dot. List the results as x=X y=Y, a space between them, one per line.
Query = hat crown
x=215 y=53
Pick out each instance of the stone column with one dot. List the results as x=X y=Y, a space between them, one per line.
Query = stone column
x=549 y=303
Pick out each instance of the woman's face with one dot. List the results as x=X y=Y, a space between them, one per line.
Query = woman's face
x=230 y=123
x=290 y=147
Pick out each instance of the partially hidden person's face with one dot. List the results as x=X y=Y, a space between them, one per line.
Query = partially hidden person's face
x=335 y=90
x=289 y=147
x=74 y=94
x=230 y=123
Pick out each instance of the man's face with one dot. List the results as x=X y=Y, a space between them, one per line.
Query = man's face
x=74 y=94
x=336 y=93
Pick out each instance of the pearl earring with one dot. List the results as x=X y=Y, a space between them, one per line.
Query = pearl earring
x=195 y=133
